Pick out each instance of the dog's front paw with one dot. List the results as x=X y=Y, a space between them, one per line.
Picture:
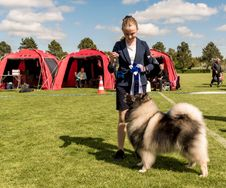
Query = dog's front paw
x=142 y=170
x=203 y=175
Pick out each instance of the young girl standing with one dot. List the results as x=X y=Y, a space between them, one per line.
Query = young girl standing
x=134 y=61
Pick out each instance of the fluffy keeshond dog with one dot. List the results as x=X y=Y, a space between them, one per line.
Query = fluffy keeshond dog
x=151 y=131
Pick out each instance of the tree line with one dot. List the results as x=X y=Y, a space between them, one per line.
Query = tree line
x=182 y=56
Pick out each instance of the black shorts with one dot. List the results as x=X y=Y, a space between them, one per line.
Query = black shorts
x=121 y=91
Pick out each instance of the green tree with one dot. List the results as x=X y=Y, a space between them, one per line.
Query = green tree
x=196 y=62
x=4 y=48
x=55 y=48
x=87 y=43
x=28 y=43
x=209 y=53
x=173 y=55
x=159 y=46
x=184 y=56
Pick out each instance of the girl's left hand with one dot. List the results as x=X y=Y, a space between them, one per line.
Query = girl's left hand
x=142 y=68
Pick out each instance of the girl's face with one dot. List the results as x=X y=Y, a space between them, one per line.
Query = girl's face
x=130 y=32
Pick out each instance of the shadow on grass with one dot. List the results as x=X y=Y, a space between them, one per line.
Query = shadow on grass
x=203 y=85
x=217 y=118
x=105 y=152
x=214 y=86
x=223 y=130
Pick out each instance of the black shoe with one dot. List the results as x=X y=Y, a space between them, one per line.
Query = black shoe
x=119 y=155
x=210 y=85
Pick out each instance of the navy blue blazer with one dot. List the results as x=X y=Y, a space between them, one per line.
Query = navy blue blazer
x=142 y=57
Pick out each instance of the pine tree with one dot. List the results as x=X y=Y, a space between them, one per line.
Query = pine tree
x=87 y=43
x=159 y=46
x=28 y=43
x=4 y=48
x=184 y=56
x=209 y=53
x=55 y=48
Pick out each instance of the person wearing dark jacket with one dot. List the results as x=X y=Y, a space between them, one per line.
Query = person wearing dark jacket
x=216 y=72
x=133 y=59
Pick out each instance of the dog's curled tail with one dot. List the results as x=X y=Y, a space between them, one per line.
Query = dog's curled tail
x=186 y=109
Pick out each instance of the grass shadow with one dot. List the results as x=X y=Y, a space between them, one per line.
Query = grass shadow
x=170 y=163
x=203 y=85
x=216 y=118
x=206 y=85
x=106 y=151
x=223 y=130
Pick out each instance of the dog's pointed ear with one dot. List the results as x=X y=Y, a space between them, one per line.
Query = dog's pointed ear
x=146 y=97
x=129 y=99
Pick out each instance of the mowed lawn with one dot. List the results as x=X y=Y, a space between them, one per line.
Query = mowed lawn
x=67 y=138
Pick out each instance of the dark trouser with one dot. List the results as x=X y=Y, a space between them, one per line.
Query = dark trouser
x=121 y=92
x=81 y=83
x=160 y=84
x=218 y=79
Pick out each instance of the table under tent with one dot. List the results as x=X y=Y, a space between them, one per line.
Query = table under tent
x=33 y=67
x=95 y=65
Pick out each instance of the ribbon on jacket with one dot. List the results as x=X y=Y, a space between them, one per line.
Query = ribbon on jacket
x=121 y=74
x=136 y=86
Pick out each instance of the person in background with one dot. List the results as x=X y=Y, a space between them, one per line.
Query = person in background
x=81 y=78
x=134 y=60
x=216 y=73
x=160 y=75
x=100 y=71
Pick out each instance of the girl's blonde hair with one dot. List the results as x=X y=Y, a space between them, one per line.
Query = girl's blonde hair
x=127 y=21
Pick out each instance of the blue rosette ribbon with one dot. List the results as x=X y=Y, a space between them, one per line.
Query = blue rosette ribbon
x=136 y=86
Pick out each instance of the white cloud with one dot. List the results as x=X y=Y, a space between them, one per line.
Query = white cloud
x=174 y=11
x=27 y=19
x=144 y=29
x=30 y=29
x=27 y=16
x=27 y=3
x=151 y=30
x=128 y=2
x=186 y=32
x=109 y=28
x=222 y=28
x=225 y=8
x=65 y=8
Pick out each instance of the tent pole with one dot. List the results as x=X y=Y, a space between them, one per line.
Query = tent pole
x=39 y=79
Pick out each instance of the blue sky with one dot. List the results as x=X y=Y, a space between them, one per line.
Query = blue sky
x=196 y=22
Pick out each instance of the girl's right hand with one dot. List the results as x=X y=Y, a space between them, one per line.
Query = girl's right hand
x=113 y=56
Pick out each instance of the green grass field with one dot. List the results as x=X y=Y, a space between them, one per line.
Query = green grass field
x=67 y=138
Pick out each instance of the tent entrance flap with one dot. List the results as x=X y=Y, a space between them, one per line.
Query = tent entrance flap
x=52 y=65
x=93 y=66
x=30 y=71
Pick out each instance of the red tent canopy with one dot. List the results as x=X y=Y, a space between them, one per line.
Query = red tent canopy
x=168 y=66
x=37 y=68
x=95 y=63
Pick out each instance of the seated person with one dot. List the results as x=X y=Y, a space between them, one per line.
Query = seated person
x=81 y=78
x=161 y=75
x=158 y=76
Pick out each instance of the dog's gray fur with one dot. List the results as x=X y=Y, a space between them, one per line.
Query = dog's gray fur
x=181 y=128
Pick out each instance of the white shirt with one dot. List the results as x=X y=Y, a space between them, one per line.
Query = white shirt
x=132 y=52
